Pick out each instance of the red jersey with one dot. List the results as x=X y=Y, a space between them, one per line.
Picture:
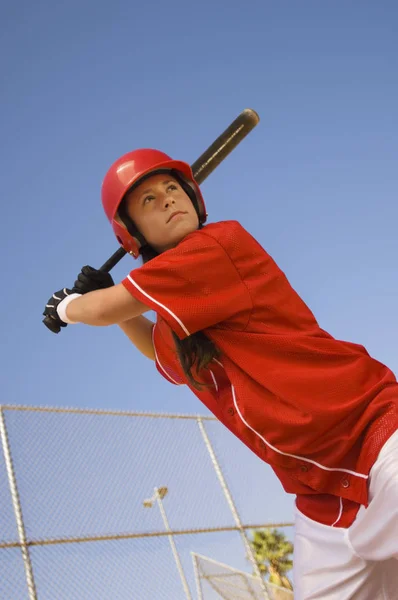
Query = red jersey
x=316 y=409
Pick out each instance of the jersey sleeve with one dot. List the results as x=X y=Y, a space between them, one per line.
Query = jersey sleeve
x=193 y=286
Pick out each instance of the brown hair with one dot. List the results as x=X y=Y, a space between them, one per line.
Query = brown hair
x=195 y=351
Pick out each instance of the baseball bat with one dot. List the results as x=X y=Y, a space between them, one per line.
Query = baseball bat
x=201 y=168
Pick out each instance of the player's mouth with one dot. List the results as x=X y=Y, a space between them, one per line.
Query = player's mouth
x=174 y=214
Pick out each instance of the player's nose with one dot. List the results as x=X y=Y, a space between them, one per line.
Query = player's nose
x=167 y=201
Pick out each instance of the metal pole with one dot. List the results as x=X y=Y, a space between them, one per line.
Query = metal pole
x=232 y=506
x=173 y=546
x=197 y=576
x=17 y=508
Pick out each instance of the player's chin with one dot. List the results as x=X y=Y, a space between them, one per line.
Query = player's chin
x=182 y=225
x=179 y=232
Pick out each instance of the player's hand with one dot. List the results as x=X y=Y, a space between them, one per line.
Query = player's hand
x=51 y=312
x=90 y=279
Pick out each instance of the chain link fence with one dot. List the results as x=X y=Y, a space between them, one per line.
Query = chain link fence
x=121 y=506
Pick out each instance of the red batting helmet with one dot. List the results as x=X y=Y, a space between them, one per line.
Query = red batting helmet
x=127 y=171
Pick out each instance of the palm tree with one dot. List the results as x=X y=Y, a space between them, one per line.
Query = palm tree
x=272 y=552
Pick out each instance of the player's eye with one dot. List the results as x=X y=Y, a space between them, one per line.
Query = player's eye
x=147 y=199
x=172 y=186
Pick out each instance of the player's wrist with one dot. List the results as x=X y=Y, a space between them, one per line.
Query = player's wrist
x=62 y=306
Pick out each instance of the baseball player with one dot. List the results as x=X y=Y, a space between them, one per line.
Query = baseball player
x=321 y=412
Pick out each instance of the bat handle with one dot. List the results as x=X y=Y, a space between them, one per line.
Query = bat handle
x=112 y=261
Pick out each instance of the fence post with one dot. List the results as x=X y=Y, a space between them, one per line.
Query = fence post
x=16 y=503
x=231 y=503
x=173 y=546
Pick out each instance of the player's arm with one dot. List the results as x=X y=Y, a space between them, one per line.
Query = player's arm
x=111 y=306
x=137 y=328
x=139 y=331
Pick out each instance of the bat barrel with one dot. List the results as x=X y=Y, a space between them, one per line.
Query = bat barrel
x=224 y=144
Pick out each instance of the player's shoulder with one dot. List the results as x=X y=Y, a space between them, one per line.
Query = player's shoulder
x=227 y=238
x=231 y=235
x=224 y=230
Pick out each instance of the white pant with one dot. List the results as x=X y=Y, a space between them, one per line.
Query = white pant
x=361 y=562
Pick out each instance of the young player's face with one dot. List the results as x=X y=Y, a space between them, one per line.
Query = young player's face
x=162 y=211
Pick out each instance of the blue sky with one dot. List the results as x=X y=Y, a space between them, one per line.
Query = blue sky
x=316 y=182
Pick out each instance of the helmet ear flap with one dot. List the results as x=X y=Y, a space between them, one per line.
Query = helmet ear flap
x=129 y=223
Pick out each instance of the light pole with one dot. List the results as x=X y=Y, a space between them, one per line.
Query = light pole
x=159 y=494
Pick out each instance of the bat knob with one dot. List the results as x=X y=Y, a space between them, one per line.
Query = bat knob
x=51 y=324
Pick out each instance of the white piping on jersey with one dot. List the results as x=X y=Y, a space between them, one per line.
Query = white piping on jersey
x=308 y=460
x=313 y=462
x=158 y=361
x=214 y=380
x=181 y=324
x=340 y=513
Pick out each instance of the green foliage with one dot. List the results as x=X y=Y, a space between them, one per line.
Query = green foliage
x=273 y=552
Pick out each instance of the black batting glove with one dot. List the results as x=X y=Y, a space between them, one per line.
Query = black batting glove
x=50 y=310
x=90 y=279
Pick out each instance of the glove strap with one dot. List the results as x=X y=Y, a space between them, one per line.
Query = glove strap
x=61 y=308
